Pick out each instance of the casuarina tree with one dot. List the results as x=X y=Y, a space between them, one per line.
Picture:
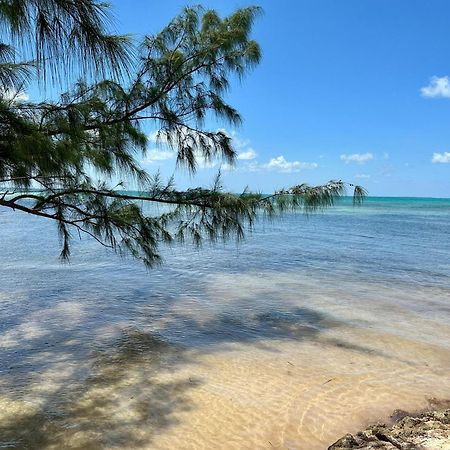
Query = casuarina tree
x=53 y=152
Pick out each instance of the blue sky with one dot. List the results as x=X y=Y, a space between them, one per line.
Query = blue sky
x=345 y=90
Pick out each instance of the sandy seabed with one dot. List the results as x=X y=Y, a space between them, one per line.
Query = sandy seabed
x=332 y=361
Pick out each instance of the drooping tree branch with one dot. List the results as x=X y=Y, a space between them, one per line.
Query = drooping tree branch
x=115 y=219
x=49 y=150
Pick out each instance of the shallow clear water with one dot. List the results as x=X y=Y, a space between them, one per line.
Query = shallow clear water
x=310 y=328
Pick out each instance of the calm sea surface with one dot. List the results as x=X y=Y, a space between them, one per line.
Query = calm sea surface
x=312 y=327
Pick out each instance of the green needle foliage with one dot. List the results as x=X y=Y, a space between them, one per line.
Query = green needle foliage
x=50 y=151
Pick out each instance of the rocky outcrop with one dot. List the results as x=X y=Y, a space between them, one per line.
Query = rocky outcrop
x=427 y=431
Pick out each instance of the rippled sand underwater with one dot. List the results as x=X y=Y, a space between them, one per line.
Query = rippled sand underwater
x=260 y=360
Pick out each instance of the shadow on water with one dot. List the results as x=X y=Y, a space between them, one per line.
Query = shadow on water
x=260 y=329
x=236 y=326
x=64 y=391
x=120 y=404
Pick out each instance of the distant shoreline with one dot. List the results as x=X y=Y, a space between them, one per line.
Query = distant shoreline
x=345 y=197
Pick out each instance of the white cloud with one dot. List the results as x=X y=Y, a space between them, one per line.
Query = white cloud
x=156 y=154
x=203 y=163
x=226 y=166
x=359 y=158
x=439 y=87
x=14 y=95
x=280 y=164
x=247 y=154
x=441 y=158
x=164 y=152
x=362 y=176
x=238 y=142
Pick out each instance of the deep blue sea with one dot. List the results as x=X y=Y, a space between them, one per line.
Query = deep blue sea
x=371 y=281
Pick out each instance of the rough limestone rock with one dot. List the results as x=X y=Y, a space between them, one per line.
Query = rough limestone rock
x=428 y=431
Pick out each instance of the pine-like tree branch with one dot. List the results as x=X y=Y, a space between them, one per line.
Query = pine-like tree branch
x=49 y=150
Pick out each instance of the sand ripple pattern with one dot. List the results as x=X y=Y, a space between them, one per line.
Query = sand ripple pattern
x=260 y=361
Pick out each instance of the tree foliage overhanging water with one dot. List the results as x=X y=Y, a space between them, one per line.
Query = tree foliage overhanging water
x=173 y=81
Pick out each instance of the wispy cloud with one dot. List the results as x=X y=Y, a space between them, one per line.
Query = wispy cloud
x=163 y=152
x=360 y=158
x=239 y=142
x=156 y=154
x=438 y=87
x=247 y=155
x=443 y=158
x=362 y=176
x=244 y=151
